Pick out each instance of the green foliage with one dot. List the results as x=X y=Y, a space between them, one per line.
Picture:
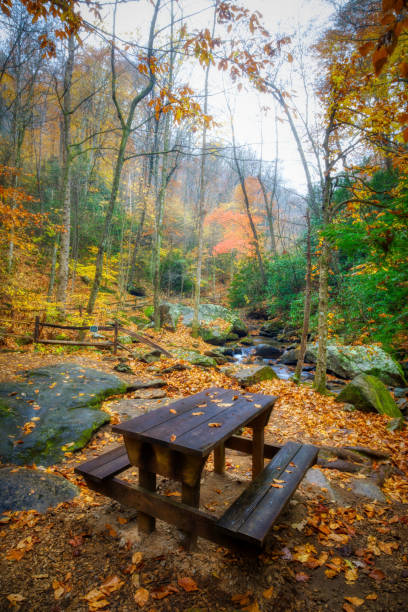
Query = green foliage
x=174 y=273
x=285 y=279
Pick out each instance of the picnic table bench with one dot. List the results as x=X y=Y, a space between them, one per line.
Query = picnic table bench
x=176 y=440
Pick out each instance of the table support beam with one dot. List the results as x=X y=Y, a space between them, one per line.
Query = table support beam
x=145 y=522
x=219 y=459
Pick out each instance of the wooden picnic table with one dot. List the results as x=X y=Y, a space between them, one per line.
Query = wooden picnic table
x=175 y=441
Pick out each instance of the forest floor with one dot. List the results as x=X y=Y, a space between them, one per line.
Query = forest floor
x=88 y=555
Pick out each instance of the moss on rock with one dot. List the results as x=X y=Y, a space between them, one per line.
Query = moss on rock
x=368 y=393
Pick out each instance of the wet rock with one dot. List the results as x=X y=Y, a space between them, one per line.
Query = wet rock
x=247 y=341
x=146 y=384
x=315 y=478
x=268 y=351
x=349 y=361
x=290 y=357
x=53 y=410
x=246 y=376
x=368 y=393
x=218 y=356
x=25 y=489
x=131 y=408
x=367 y=488
x=195 y=358
x=124 y=368
x=149 y=394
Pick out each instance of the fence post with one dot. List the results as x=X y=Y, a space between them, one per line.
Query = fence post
x=36 y=328
x=115 y=337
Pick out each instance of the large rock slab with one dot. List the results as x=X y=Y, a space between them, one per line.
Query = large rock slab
x=171 y=314
x=52 y=410
x=250 y=375
x=349 y=361
x=25 y=489
x=369 y=394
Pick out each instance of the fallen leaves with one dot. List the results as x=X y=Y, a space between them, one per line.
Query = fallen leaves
x=23 y=546
x=214 y=424
x=15 y=599
x=187 y=584
x=197 y=413
x=356 y=601
x=96 y=598
x=141 y=597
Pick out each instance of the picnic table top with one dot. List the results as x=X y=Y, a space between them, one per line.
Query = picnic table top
x=197 y=424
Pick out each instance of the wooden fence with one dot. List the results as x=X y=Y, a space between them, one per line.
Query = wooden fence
x=39 y=326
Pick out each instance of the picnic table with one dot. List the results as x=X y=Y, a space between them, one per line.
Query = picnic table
x=176 y=440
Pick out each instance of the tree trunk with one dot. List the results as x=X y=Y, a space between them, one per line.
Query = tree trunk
x=201 y=211
x=308 y=298
x=63 y=270
x=52 y=272
x=321 y=364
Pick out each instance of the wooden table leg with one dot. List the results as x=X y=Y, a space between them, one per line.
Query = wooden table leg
x=219 y=459
x=147 y=480
x=257 y=449
x=191 y=497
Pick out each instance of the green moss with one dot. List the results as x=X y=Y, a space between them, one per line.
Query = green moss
x=368 y=393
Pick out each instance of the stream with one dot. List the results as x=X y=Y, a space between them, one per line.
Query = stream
x=247 y=355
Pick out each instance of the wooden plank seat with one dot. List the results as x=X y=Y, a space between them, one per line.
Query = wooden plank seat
x=252 y=515
x=106 y=465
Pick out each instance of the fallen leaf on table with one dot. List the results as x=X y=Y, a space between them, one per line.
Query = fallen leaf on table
x=214 y=424
x=276 y=486
x=197 y=413
x=281 y=481
x=188 y=584
x=356 y=601
x=141 y=596
x=173 y=437
x=258 y=405
x=173 y=411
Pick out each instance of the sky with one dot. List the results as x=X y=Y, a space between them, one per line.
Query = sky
x=286 y=17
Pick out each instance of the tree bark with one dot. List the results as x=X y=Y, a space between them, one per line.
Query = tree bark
x=308 y=298
x=65 y=197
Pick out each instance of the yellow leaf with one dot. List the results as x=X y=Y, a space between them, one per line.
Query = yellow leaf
x=197 y=413
x=137 y=558
x=356 y=601
x=214 y=424
x=173 y=411
x=173 y=437
x=268 y=592
x=15 y=599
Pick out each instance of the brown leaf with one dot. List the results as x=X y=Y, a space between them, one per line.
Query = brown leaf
x=242 y=598
x=276 y=486
x=111 y=584
x=141 y=597
x=197 y=413
x=173 y=411
x=372 y=596
x=348 y=608
x=377 y=574
x=163 y=591
x=214 y=424
x=173 y=437
x=188 y=584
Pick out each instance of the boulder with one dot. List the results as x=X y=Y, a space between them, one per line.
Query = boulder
x=271 y=327
x=290 y=357
x=247 y=341
x=368 y=393
x=195 y=358
x=218 y=356
x=136 y=290
x=53 y=410
x=349 y=361
x=171 y=314
x=124 y=368
x=268 y=350
x=246 y=376
x=25 y=489
x=136 y=384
